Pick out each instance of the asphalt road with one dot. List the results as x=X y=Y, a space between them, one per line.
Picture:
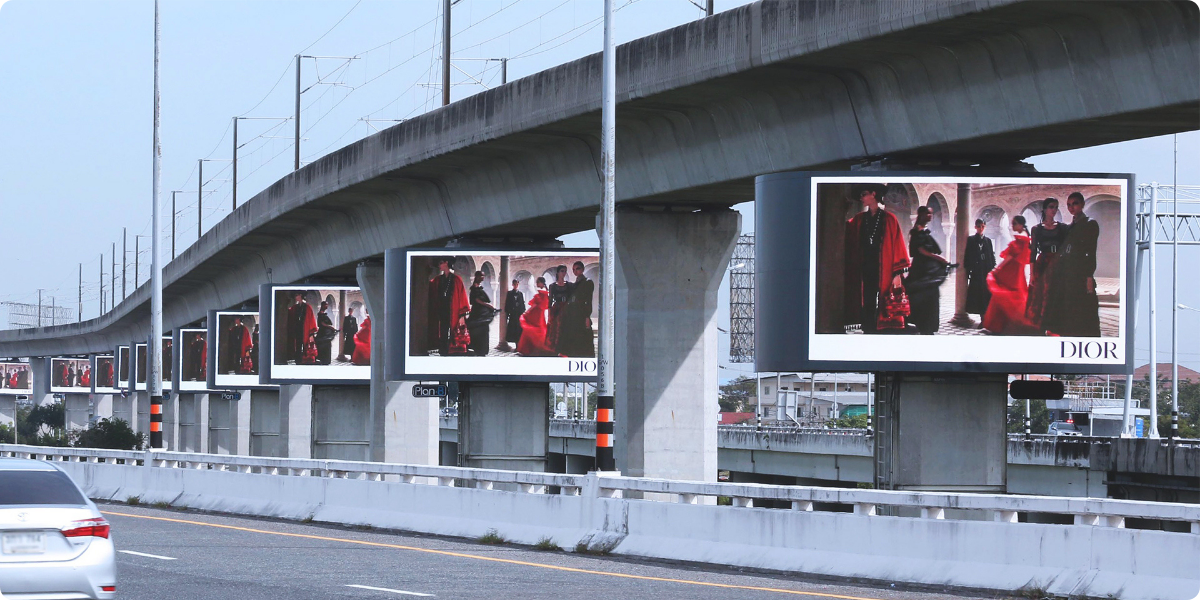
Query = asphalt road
x=191 y=556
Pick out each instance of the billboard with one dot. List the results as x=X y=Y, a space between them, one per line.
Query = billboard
x=141 y=369
x=944 y=272
x=191 y=365
x=315 y=334
x=123 y=367
x=104 y=374
x=233 y=350
x=15 y=378
x=70 y=375
x=493 y=315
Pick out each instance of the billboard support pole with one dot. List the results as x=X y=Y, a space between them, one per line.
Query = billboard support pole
x=154 y=347
x=1153 y=312
x=1175 y=297
x=605 y=396
x=1126 y=423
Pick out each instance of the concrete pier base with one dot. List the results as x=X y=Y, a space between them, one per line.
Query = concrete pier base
x=340 y=421
x=264 y=423
x=940 y=433
x=78 y=410
x=504 y=426
x=123 y=409
x=102 y=407
x=294 y=405
x=8 y=412
x=669 y=268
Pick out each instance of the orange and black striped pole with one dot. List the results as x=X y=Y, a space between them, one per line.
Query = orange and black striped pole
x=605 y=390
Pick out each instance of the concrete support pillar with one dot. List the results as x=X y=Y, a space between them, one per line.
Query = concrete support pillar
x=942 y=434
x=264 y=424
x=185 y=409
x=200 y=408
x=8 y=414
x=505 y=425
x=143 y=412
x=402 y=428
x=170 y=422
x=669 y=268
x=411 y=430
x=294 y=407
x=240 y=415
x=40 y=368
x=78 y=410
x=123 y=409
x=221 y=429
x=103 y=406
x=340 y=422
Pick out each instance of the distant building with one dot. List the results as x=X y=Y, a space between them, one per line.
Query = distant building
x=1164 y=373
x=813 y=399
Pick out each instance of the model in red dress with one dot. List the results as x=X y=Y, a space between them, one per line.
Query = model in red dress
x=533 y=324
x=1006 y=312
x=362 y=344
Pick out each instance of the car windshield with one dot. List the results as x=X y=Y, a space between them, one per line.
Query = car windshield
x=38 y=487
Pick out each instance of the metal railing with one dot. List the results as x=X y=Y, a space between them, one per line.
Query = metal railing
x=929 y=505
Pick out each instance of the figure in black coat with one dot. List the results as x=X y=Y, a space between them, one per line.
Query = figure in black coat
x=979 y=260
x=1072 y=306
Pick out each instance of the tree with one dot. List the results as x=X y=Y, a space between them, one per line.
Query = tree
x=43 y=425
x=1039 y=416
x=858 y=421
x=1189 y=405
x=738 y=395
x=111 y=434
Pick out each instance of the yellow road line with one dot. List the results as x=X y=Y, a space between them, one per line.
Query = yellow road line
x=495 y=559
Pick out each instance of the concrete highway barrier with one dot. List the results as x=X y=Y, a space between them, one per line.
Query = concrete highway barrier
x=981 y=541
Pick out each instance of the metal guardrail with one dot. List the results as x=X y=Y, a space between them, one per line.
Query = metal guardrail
x=931 y=505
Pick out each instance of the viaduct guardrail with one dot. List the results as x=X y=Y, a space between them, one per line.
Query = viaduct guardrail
x=966 y=540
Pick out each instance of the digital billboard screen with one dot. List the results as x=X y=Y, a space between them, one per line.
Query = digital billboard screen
x=15 y=378
x=192 y=364
x=937 y=272
x=493 y=314
x=123 y=367
x=317 y=333
x=141 y=369
x=104 y=374
x=233 y=350
x=70 y=375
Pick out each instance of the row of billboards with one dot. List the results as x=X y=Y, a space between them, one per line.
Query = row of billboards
x=854 y=272
x=461 y=323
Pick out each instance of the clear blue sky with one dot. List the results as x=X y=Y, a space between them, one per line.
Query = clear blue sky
x=75 y=103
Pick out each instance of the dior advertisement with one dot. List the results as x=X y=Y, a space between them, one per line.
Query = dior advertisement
x=495 y=314
x=317 y=333
x=70 y=375
x=123 y=367
x=191 y=367
x=972 y=271
x=15 y=378
x=233 y=350
x=104 y=374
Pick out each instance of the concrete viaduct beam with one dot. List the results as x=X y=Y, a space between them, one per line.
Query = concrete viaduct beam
x=703 y=108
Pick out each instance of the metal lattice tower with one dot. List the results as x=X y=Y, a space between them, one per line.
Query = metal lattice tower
x=22 y=315
x=741 y=301
x=1187 y=222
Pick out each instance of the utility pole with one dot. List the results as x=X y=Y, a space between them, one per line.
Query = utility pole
x=503 y=71
x=235 y=120
x=137 y=254
x=605 y=394
x=80 y=317
x=124 y=260
x=154 y=348
x=297 y=141
x=200 y=200
x=445 y=52
x=173 y=192
x=1175 y=296
x=113 y=288
x=39 y=307
x=101 y=313
x=53 y=310
x=708 y=8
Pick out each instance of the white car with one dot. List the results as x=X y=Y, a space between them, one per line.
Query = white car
x=54 y=543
